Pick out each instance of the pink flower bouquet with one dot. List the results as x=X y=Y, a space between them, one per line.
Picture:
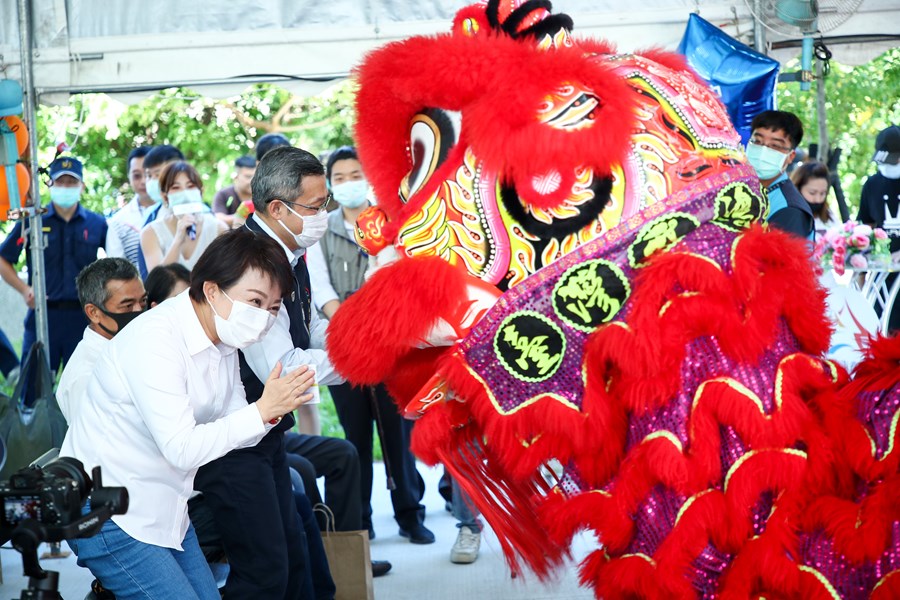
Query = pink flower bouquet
x=854 y=245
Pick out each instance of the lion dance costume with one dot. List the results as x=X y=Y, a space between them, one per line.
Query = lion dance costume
x=596 y=331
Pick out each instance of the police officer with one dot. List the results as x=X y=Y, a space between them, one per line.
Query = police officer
x=72 y=236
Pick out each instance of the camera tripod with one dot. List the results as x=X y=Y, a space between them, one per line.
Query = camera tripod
x=42 y=585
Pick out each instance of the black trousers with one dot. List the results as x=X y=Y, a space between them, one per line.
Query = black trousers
x=249 y=493
x=357 y=413
x=336 y=460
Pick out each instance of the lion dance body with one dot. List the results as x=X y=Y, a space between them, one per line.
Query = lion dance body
x=597 y=332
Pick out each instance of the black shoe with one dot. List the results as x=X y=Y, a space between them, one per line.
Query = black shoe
x=418 y=534
x=380 y=567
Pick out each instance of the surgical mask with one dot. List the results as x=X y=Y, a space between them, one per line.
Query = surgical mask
x=245 y=326
x=187 y=201
x=65 y=197
x=890 y=171
x=351 y=194
x=153 y=190
x=314 y=227
x=768 y=163
x=121 y=319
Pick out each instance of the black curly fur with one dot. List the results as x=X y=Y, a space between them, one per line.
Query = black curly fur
x=548 y=26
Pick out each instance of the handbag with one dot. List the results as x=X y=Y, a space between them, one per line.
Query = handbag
x=29 y=429
x=348 y=559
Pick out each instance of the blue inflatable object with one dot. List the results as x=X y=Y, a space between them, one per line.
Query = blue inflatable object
x=743 y=78
x=10 y=98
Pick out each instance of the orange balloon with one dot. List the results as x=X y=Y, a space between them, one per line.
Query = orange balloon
x=24 y=180
x=17 y=126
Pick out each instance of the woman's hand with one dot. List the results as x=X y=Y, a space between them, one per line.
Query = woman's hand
x=283 y=394
x=183 y=223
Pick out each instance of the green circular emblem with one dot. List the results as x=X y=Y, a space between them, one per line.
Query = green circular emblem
x=590 y=294
x=530 y=346
x=660 y=234
x=737 y=206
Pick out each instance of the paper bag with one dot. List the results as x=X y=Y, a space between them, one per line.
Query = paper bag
x=348 y=560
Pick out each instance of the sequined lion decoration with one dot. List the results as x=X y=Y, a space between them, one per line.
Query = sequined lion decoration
x=578 y=300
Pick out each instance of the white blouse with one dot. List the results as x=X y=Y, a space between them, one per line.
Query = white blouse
x=163 y=401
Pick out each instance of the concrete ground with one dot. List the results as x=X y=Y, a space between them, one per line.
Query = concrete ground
x=419 y=571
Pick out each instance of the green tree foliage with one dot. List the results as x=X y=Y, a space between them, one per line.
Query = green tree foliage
x=211 y=133
x=860 y=102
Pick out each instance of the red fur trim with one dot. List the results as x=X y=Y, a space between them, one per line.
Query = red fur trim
x=498 y=83
x=888 y=588
x=412 y=371
x=508 y=505
x=392 y=313
x=880 y=370
x=630 y=577
x=861 y=531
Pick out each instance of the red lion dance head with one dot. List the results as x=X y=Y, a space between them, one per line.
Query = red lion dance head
x=578 y=300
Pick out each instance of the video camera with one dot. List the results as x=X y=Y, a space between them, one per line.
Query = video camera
x=43 y=503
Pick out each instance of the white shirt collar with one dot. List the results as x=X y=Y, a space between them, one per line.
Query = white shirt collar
x=195 y=338
x=292 y=255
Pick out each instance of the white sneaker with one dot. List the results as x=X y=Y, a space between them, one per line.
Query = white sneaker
x=465 y=549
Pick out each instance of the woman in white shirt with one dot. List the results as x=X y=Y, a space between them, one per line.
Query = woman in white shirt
x=188 y=227
x=165 y=398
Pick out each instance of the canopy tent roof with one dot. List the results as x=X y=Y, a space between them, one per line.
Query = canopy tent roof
x=133 y=48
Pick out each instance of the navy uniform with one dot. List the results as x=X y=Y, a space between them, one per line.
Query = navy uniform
x=69 y=246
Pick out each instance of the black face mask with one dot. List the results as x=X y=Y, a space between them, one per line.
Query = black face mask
x=121 y=319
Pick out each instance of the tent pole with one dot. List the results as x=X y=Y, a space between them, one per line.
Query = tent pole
x=759 y=32
x=824 y=145
x=35 y=237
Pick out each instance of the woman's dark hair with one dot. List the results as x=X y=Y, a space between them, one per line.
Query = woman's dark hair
x=168 y=175
x=162 y=279
x=234 y=253
x=806 y=172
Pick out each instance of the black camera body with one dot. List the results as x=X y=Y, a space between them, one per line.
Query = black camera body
x=43 y=502
x=52 y=495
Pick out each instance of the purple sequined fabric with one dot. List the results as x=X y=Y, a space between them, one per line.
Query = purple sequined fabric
x=704 y=360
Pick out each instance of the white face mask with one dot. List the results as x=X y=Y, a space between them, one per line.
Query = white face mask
x=153 y=190
x=890 y=171
x=245 y=326
x=351 y=194
x=768 y=163
x=189 y=201
x=314 y=227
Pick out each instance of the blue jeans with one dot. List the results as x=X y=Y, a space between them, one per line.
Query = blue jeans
x=133 y=570
x=462 y=509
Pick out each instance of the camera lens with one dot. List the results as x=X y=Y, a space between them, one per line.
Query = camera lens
x=71 y=469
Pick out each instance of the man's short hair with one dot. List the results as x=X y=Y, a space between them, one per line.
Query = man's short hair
x=160 y=155
x=139 y=152
x=279 y=176
x=245 y=162
x=342 y=153
x=269 y=142
x=779 y=119
x=91 y=281
x=236 y=252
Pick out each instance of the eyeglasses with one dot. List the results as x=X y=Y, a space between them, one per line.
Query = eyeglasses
x=321 y=208
x=775 y=147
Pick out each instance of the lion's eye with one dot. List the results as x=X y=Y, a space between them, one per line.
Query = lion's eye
x=432 y=133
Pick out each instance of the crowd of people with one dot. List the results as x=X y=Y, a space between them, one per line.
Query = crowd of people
x=191 y=355
x=225 y=348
